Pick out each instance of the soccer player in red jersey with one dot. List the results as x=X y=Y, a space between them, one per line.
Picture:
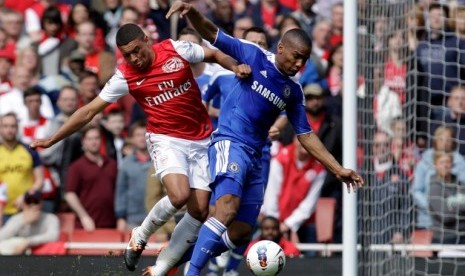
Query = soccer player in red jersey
x=178 y=128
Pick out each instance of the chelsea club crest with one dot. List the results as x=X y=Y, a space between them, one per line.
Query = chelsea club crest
x=287 y=91
x=233 y=167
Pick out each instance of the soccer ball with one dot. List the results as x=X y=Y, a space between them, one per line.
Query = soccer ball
x=265 y=258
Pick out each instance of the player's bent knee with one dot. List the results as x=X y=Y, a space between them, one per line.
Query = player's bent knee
x=178 y=200
x=240 y=232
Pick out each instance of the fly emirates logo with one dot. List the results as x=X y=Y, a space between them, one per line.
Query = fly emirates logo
x=170 y=92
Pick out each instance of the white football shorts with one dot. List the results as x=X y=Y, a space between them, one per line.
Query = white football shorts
x=176 y=155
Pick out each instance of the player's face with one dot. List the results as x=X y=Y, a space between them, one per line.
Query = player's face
x=138 y=54
x=292 y=57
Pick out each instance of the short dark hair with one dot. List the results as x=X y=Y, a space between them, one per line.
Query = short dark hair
x=87 y=74
x=52 y=15
x=127 y=33
x=255 y=29
x=190 y=31
x=444 y=8
x=31 y=91
x=297 y=35
x=136 y=125
x=86 y=130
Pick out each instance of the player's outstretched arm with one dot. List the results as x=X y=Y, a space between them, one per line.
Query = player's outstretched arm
x=205 y=27
x=80 y=118
x=313 y=145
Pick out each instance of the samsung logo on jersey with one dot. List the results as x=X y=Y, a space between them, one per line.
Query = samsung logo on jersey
x=168 y=95
x=272 y=97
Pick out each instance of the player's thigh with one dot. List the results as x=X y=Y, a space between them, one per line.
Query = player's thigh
x=169 y=154
x=254 y=189
x=229 y=167
x=198 y=165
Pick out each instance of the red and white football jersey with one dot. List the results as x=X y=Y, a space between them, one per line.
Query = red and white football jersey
x=167 y=92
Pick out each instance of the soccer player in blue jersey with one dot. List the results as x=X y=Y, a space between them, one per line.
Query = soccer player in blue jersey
x=246 y=116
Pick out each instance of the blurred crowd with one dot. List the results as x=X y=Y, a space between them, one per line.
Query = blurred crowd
x=56 y=56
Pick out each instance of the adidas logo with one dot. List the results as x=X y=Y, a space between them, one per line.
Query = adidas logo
x=263 y=73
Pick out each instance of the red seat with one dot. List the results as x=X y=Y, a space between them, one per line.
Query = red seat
x=96 y=236
x=325 y=214
x=424 y=237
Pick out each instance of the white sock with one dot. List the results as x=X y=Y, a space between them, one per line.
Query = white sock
x=185 y=233
x=159 y=215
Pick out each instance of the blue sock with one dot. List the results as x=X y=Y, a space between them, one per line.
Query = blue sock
x=222 y=247
x=206 y=245
x=236 y=258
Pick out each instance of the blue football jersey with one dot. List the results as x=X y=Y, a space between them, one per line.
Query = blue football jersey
x=254 y=103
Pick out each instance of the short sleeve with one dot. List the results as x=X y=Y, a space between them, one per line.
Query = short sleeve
x=36 y=161
x=191 y=52
x=115 y=88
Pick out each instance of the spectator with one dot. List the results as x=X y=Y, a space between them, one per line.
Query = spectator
x=145 y=19
x=157 y=15
x=52 y=36
x=20 y=167
x=442 y=141
x=293 y=169
x=12 y=22
x=395 y=68
x=62 y=154
x=73 y=67
x=88 y=87
x=90 y=185
x=222 y=16
x=458 y=21
x=446 y=202
x=306 y=16
x=269 y=230
x=415 y=25
x=334 y=79
x=29 y=228
x=81 y=13
x=241 y=25
x=35 y=126
x=404 y=151
x=454 y=116
x=97 y=61
x=112 y=135
x=316 y=67
x=440 y=66
x=337 y=20
x=131 y=182
x=329 y=130
x=29 y=59
x=6 y=61
x=112 y=16
x=323 y=8
x=390 y=219
x=34 y=14
x=268 y=14
x=14 y=100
